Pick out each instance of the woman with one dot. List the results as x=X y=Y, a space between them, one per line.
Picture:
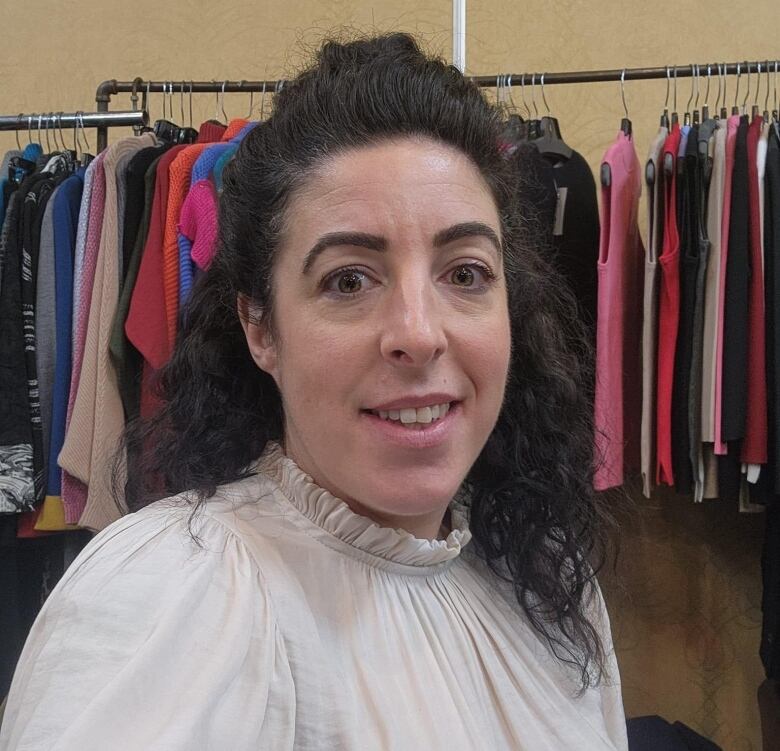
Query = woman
x=379 y=456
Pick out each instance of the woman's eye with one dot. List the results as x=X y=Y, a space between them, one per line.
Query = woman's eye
x=345 y=281
x=467 y=275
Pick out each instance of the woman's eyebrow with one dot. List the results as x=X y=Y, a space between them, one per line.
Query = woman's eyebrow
x=375 y=242
x=467 y=229
x=360 y=239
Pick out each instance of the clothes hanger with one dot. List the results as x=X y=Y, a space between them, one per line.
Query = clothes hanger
x=705 y=110
x=774 y=97
x=550 y=143
x=766 y=96
x=649 y=165
x=734 y=108
x=687 y=115
x=675 y=118
x=534 y=124
x=665 y=115
x=625 y=128
x=668 y=164
x=696 y=113
x=516 y=129
x=755 y=110
x=747 y=95
x=625 y=123
x=186 y=134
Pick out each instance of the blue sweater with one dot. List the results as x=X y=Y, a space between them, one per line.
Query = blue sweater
x=67 y=203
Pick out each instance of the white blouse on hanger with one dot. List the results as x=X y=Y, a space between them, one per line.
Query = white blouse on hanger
x=293 y=623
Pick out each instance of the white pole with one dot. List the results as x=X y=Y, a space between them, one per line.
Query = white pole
x=459 y=34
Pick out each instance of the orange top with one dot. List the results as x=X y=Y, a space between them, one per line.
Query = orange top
x=234 y=128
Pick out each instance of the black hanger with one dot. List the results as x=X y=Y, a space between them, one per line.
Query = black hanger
x=549 y=142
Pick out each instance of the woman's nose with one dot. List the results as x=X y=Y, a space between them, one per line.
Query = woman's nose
x=413 y=326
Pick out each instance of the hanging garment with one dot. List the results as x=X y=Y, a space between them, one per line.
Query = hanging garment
x=732 y=124
x=736 y=314
x=4 y=188
x=712 y=303
x=754 y=447
x=668 y=313
x=618 y=400
x=655 y=212
x=575 y=236
x=252 y=612
x=687 y=223
x=140 y=183
x=772 y=302
x=704 y=145
x=45 y=324
x=17 y=487
x=37 y=191
x=219 y=167
x=66 y=206
x=74 y=491
x=97 y=421
x=204 y=211
x=146 y=326
x=180 y=172
x=198 y=228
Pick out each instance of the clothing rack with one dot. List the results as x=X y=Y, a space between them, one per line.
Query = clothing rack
x=109 y=88
x=58 y=120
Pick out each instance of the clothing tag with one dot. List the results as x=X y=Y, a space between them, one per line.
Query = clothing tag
x=560 y=208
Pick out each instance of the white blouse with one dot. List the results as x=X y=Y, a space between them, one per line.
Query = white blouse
x=290 y=622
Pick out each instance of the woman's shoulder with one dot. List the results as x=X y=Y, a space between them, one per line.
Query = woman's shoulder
x=162 y=598
x=178 y=532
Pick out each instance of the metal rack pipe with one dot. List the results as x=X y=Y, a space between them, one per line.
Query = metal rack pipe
x=109 y=88
x=51 y=120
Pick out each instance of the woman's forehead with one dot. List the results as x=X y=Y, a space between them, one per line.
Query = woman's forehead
x=414 y=181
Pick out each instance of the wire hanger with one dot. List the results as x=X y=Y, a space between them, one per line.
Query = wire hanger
x=625 y=123
x=747 y=95
x=687 y=115
x=665 y=114
x=549 y=142
x=522 y=96
x=697 y=82
x=766 y=96
x=675 y=118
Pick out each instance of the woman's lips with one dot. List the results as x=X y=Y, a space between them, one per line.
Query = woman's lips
x=417 y=435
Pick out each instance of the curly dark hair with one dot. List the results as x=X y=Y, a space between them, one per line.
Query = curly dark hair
x=534 y=517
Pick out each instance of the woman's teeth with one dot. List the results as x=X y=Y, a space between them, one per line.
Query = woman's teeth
x=411 y=417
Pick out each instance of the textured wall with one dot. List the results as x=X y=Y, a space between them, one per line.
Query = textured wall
x=686 y=609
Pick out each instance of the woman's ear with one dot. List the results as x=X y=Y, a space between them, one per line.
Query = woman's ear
x=258 y=337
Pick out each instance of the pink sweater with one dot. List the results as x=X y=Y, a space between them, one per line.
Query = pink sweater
x=74 y=492
x=618 y=402
x=198 y=222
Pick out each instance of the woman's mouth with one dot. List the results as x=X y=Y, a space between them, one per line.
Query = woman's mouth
x=414 y=418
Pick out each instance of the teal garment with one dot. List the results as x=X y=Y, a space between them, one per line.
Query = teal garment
x=220 y=166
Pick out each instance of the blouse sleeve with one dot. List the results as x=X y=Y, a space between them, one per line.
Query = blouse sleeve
x=154 y=640
x=609 y=689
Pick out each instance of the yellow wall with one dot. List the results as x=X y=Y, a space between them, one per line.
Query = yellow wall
x=687 y=613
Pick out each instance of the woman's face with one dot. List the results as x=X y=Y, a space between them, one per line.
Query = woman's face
x=392 y=342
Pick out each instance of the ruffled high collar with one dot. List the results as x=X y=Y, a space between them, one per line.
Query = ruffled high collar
x=336 y=518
